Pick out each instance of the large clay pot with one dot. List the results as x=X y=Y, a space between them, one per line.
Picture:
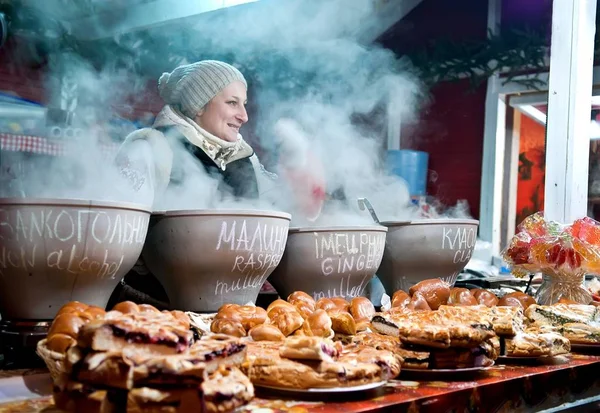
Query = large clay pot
x=55 y=250
x=422 y=249
x=329 y=262
x=207 y=258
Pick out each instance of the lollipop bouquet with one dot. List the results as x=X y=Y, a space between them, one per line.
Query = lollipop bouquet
x=563 y=254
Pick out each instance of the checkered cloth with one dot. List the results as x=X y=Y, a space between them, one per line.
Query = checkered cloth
x=43 y=146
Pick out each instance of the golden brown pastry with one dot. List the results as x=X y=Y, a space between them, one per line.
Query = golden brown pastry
x=461 y=296
x=326 y=304
x=227 y=326
x=362 y=309
x=435 y=291
x=342 y=322
x=418 y=303
x=341 y=303
x=485 y=297
x=287 y=319
x=525 y=299
x=564 y=300
x=280 y=303
x=318 y=324
x=303 y=302
x=69 y=320
x=266 y=332
x=400 y=299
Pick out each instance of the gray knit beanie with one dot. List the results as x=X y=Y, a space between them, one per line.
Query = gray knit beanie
x=192 y=86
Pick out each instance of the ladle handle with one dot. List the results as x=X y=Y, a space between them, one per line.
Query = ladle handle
x=364 y=203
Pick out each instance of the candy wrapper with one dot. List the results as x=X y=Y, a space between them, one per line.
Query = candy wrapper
x=564 y=254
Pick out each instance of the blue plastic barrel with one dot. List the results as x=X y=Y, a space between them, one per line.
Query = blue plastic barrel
x=411 y=166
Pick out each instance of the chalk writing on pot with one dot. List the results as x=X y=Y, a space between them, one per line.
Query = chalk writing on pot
x=461 y=241
x=347 y=288
x=73 y=241
x=344 y=253
x=258 y=250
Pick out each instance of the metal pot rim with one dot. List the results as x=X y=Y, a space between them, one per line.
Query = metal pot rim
x=72 y=202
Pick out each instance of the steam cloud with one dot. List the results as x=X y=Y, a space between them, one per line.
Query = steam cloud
x=311 y=78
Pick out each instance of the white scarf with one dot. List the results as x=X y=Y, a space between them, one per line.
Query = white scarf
x=220 y=151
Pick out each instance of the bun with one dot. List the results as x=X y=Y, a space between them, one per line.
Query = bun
x=229 y=327
x=252 y=316
x=69 y=320
x=318 y=324
x=525 y=299
x=461 y=296
x=280 y=303
x=435 y=291
x=509 y=302
x=303 y=302
x=485 y=297
x=287 y=320
x=362 y=309
x=342 y=322
x=325 y=304
x=341 y=303
x=418 y=303
x=266 y=332
x=60 y=342
x=400 y=299
x=126 y=307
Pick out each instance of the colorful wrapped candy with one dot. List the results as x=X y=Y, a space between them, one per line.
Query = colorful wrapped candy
x=563 y=254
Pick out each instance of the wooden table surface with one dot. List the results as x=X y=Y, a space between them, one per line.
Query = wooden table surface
x=504 y=387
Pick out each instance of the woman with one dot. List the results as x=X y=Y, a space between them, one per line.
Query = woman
x=204 y=110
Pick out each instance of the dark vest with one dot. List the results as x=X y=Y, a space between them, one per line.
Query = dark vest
x=238 y=178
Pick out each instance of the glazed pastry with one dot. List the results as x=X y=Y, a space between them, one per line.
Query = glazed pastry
x=400 y=299
x=362 y=309
x=280 y=303
x=326 y=304
x=342 y=322
x=341 y=303
x=524 y=299
x=435 y=291
x=303 y=302
x=287 y=319
x=227 y=326
x=69 y=320
x=461 y=296
x=418 y=303
x=485 y=297
x=318 y=324
x=266 y=332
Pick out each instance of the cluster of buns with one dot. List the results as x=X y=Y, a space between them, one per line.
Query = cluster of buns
x=300 y=315
x=433 y=293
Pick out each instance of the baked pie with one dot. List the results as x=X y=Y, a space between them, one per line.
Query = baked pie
x=309 y=348
x=127 y=369
x=529 y=344
x=144 y=333
x=435 y=329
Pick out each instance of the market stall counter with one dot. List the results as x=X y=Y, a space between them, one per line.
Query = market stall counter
x=562 y=385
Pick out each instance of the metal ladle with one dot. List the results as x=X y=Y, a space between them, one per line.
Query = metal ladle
x=364 y=203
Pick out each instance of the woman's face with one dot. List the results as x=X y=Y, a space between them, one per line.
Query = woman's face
x=225 y=113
